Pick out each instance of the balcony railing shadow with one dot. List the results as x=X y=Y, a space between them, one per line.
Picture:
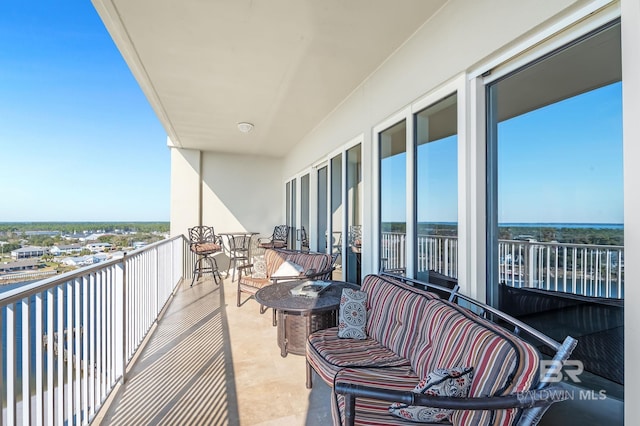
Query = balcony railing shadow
x=210 y=363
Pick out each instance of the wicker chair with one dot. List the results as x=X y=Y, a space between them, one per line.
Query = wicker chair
x=204 y=243
x=277 y=240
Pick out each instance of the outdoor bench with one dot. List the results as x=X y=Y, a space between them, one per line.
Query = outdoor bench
x=260 y=273
x=413 y=334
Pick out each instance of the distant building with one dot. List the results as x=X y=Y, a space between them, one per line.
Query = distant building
x=21 y=265
x=93 y=237
x=94 y=247
x=89 y=259
x=49 y=233
x=58 y=250
x=139 y=244
x=29 y=251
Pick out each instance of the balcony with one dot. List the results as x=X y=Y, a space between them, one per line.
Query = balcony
x=146 y=348
x=186 y=352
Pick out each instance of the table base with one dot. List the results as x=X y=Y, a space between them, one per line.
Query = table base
x=294 y=328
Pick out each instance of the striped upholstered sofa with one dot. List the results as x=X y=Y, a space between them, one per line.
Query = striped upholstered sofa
x=411 y=332
x=315 y=266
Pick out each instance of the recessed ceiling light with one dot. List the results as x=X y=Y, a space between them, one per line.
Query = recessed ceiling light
x=245 y=127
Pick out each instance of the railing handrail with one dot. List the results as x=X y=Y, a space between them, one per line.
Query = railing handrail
x=28 y=290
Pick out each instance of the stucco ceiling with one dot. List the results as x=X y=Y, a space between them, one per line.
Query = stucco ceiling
x=282 y=65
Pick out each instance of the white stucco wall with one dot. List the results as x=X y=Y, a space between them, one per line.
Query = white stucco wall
x=185 y=190
x=242 y=193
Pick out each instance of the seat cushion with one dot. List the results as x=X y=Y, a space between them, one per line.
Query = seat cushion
x=327 y=354
x=205 y=248
x=251 y=284
x=373 y=411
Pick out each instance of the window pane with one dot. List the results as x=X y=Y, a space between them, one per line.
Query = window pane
x=336 y=213
x=354 y=213
x=322 y=209
x=437 y=190
x=393 y=198
x=555 y=163
x=304 y=212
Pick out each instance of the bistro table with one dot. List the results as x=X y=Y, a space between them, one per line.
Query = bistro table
x=299 y=316
x=239 y=245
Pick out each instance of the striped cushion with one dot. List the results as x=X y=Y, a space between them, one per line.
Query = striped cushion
x=396 y=314
x=251 y=284
x=502 y=363
x=317 y=261
x=373 y=412
x=327 y=354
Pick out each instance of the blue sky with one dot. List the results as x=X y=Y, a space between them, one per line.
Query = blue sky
x=78 y=139
x=558 y=164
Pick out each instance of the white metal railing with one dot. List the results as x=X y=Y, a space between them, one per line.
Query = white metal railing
x=581 y=269
x=393 y=251
x=439 y=254
x=67 y=340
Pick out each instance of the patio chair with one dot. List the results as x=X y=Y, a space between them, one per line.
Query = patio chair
x=204 y=243
x=355 y=238
x=239 y=251
x=304 y=239
x=278 y=239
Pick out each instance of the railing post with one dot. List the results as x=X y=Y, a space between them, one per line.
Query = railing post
x=121 y=308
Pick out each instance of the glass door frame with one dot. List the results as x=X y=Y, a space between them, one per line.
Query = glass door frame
x=295 y=211
x=467 y=187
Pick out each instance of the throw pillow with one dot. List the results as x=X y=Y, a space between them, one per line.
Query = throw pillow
x=353 y=314
x=440 y=382
x=288 y=269
x=259 y=267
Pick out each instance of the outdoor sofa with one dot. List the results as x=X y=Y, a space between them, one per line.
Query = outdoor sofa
x=263 y=272
x=410 y=334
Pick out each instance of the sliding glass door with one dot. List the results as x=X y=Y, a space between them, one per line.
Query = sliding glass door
x=436 y=172
x=555 y=185
x=393 y=198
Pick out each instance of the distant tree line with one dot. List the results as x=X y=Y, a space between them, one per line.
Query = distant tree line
x=569 y=235
x=70 y=227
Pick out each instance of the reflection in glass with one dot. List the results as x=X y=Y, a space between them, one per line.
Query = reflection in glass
x=336 y=213
x=304 y=212
x=393 y=196
x=437 y=190
x=556 y=258
x=354 y=213
x=322 y=209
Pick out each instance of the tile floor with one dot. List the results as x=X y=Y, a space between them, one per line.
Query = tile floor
x=210 y=362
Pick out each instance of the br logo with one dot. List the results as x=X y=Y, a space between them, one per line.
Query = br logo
x=552 y=371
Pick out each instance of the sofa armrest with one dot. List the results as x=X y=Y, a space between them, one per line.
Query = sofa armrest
x=524 y=400
x=242 y=269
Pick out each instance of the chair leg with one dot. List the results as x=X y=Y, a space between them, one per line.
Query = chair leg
x=274 y=321
x=196 y=270
x=235 y=265
x=214 y=270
